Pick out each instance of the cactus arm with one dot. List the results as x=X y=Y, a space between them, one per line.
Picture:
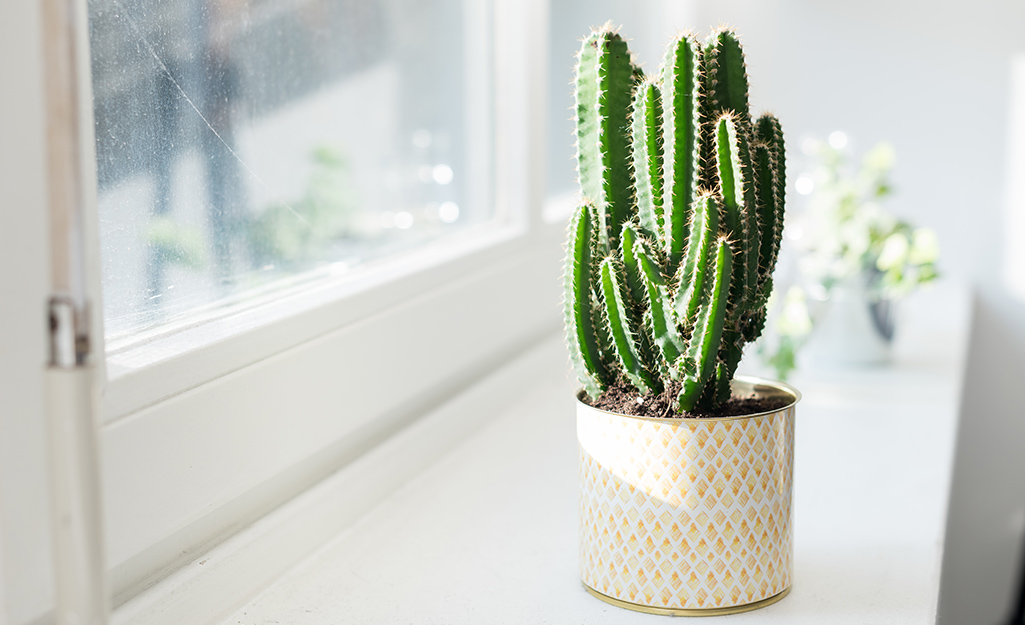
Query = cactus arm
x=621 y=324
x=737 y=186
x=730 y=354
x=747 y=327
x=617 y=77
x=765 y=172
x=726 y=83
x=681 y=103
x=631 y=240
x=660 y=309
x=754 y=321
x=769 y=132
x=703 y=231
x=718 y=389
x=772 y=188
x=770 y=234
x=586 y=92
x=725 y=89
x=605 y=80
x=646 y=131
x=584 y=346
x=700 y=361
x=634 y=279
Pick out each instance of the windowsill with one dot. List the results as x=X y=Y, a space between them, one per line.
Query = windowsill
x=488 y=532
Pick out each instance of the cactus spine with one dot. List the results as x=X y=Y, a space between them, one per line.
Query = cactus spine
x=670 y=256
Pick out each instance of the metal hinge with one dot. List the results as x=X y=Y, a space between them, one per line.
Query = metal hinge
x=69 y=332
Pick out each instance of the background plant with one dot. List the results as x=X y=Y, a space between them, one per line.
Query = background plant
x=845 y=235
x=670 y=256
x=328 y=211
x=176 y=244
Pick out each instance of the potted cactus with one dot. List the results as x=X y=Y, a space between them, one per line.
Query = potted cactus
x=686 y=472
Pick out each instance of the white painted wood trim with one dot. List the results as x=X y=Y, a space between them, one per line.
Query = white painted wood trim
x=152 y=368
x=25 y=543
x=213 y=583
x=191 y=470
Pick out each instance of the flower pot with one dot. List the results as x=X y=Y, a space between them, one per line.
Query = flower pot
x=688 y=516
x=851 y=328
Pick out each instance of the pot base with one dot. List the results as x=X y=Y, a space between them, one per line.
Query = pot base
x=647 y=609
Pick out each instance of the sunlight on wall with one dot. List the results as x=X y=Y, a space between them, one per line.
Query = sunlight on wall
x=1014 y=233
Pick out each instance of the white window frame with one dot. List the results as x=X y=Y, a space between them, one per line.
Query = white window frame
x=25 y=553
x=203 y=437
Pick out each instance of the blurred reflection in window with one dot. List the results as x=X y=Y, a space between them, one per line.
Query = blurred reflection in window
x=243 y=142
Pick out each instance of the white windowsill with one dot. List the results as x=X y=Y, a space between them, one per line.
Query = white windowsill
x=481 y=526
x=489 y=533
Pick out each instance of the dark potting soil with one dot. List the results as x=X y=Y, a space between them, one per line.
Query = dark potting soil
x=623 y=398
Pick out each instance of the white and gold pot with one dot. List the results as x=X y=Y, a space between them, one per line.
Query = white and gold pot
x=688 y=516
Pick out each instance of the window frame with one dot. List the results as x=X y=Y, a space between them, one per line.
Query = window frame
x=168 y=362
x=527 y=259
x=25 y=544
x=145 y=367
x=183 y=469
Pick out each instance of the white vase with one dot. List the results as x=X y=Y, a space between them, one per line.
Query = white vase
x=847 y=329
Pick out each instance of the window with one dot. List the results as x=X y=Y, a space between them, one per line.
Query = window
x=243 y=145
x=215 y=417
x=24 y=533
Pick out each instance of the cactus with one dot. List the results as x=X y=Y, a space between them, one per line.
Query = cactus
x=671 y=252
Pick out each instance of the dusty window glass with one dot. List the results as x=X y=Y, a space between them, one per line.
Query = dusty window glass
x=242 y=143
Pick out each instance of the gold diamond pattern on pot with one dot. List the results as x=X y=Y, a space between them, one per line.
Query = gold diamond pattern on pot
x=686 y=514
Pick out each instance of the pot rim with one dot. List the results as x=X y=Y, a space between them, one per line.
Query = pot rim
x=782 y=387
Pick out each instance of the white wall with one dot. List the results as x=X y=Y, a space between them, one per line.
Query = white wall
x=986 y=524
x=929 y=77
x=987 y=508
x=935 y=79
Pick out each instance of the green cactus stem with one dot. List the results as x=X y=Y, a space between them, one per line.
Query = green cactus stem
x=703 y=232
x=725 y=91
x=771 y=162
x=700 y=362
x=670 y=258
x=632 y=270
x=646 y=134
x=737 y=186
x=585 y=349
x=621 y=325
x=681 y=103
x=661 y=318
x=725 y=75
x=606 y=77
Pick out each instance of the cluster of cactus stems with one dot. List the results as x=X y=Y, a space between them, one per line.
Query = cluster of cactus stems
x=670 y=255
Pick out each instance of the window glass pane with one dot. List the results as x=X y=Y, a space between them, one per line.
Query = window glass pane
x=243 y=142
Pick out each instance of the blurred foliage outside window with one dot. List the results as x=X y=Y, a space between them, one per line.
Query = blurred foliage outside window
x=245 y=143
